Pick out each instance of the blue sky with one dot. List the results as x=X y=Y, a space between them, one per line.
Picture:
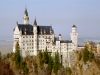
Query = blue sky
x=61 y=14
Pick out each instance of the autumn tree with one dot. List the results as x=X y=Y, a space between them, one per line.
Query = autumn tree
x=80 y=56
x=0 y=56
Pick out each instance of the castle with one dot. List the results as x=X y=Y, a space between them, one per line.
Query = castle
x=32 y=38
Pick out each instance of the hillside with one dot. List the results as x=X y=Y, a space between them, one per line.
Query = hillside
x=43 y=64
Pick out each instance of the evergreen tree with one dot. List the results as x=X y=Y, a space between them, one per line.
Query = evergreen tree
x=40 y=58
x=91 y=55
x=56 y=63
x=85 y=54
x=50 y=63
x=46 y=57
x=23 y=67
x=17 y=56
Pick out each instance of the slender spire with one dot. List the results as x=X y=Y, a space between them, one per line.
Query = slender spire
x=26 y=13
x=26 y=18
x=35 y=23
x=17 y=23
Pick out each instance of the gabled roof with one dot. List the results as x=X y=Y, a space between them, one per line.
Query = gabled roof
x=26 y=28
x=29 y=29
x=44 y=28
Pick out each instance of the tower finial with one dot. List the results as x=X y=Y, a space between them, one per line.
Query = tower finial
x=17 y=23
x=26 y=18
x=35 y=23
x=26 y=13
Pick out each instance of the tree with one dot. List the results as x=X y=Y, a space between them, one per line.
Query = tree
x=69 y=71
x=0 y=56
x=40 y=58
x=80 y=56
x=50 y=63
x=23 y=67
x=46 y=57
x=17 y=56
x=56 y=63
x=5 y=68
x=85 y=54
x=91 y=55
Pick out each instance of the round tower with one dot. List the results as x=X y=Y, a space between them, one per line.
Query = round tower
x=26 y=18
x=98 y=48
x=60 y=37
x=35 y=37
x=74 y=36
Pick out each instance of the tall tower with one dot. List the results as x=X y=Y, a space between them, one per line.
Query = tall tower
x=35 y=37
x=26 y=18
x=74 y=36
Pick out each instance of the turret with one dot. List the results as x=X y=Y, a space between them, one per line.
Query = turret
x=60 y=37
x=35 y=37
x=98 y=48
x=74 y=36
x=51 y=30
x=26 y=18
